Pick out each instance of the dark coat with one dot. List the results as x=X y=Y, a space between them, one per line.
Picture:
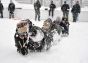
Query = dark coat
x=76 y=8
x=52 y=6
x=18 y=41
x=37 y=5
x=35 y=45
x=11 y=7
x=64 y=25
x=1 y=7
x=65 y=7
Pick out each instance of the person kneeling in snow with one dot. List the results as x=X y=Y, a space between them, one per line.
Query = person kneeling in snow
x=65 y=24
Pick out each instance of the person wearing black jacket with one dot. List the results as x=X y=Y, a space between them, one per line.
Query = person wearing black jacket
x=37 y=7
x=1 y=9
x=52 y=8
x=11 y=9
x=65 y=9
x=75 y=11
x=65 y=24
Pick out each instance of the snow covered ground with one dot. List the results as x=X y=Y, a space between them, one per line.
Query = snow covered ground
x=71 y=49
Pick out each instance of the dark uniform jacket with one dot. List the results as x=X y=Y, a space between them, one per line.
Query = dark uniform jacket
x=65 y=7
x=1 y=7
x=37 y=5
x=52 y=6
x=76 y=8
x=11 y=7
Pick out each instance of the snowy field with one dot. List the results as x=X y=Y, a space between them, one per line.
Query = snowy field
x=71 y=49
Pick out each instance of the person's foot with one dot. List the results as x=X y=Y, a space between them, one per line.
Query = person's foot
x=9 y=17
x=39 y=20
x=1 y=16
x=18 y=50
x=74 y=21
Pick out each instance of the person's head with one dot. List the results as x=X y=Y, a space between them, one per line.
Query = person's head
x=37 y=0
x=11 y=1
x=77 y=2
x=64 y=2
x=47 y=24
x=29 y=22
x=51 y=2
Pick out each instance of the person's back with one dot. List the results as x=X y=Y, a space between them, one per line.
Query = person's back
x=11 y=7
x=75 y=11
x=1 y=6
x=37 y=5
x=65 y=7
x=76 y=8
x=52 y=6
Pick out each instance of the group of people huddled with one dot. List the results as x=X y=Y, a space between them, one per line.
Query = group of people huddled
x=11 y=9
x=31 y=38
x=64 y=8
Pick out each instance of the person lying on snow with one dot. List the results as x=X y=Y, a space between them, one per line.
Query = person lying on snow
x=36 y=38
x=47 y=28
x=56 y=25
x=21 y=38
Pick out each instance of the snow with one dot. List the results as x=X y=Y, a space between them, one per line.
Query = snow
x=71 y=49
x=38 y=37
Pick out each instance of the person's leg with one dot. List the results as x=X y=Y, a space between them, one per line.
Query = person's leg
x=67 y=13
x=1 y=14
x=49 y=12
x=39 y=16
x=12 y=14
x=52 y=13
x=74 y=17
x=35 y=15
x=9 y=14
x=18 y=48
x=63 y=14
x=66 y=29
x=77 y=17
